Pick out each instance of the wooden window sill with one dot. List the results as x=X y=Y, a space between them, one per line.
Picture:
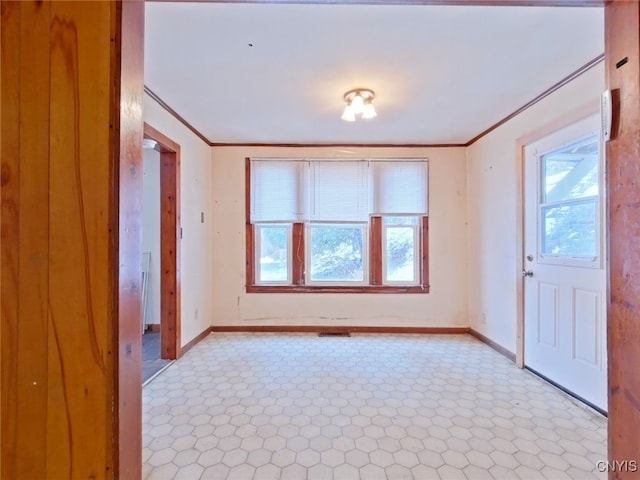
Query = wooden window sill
x=336 y=289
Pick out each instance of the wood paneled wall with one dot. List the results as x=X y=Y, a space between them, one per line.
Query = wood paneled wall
x=71 y=124
x=622 y=29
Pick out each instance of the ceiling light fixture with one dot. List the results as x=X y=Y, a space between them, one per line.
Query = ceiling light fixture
x=359 y=102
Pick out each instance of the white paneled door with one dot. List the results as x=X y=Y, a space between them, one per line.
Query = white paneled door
x=564 y=266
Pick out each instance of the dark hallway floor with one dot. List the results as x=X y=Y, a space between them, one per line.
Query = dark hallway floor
x=151 y=361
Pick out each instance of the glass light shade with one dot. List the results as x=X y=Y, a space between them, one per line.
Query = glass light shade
x=357 y=104
x=348 y=115
x=369 y=111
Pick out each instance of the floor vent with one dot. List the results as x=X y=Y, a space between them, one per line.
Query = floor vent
x=334 y=334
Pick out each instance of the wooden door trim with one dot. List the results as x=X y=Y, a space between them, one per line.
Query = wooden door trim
x=127 y=93
x=170 y=324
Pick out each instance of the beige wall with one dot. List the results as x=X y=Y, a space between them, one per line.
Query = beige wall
x=494 y=261
x=473 y=269
x=195 y=191
x=446 y=305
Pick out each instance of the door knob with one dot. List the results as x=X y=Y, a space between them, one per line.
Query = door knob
x=527 y=273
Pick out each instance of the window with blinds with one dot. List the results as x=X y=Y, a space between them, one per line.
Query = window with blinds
x=278 y=191
x=331 y=212
x=336 y=190
x=400 y=187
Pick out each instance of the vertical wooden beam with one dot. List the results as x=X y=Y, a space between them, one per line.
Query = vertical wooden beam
x=375 y=251
x=249 y=257
x=298 y=254
x=424 y=273
x=170 y=236
x=622 y=41
x=126 y=99
x=250 y=254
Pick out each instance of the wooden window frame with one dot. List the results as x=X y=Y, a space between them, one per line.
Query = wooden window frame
x=298 y=258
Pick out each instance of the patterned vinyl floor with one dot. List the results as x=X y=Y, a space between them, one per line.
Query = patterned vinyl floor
x=388 y=407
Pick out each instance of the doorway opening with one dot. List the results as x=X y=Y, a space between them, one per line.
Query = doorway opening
x=161 y=253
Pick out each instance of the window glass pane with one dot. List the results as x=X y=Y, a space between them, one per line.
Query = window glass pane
x=570 y=229
x=400 y=249
x=571 y=172
x=273 y=264
x=400 y=220
x=337 y=253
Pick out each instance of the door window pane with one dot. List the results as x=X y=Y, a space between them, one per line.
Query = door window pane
x=399 y=254
x=273 y=262
x=570 y=189
x=336 y=253
x=570 y=229
x=571 y=172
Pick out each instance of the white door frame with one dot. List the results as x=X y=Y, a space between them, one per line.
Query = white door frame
x=565 y=120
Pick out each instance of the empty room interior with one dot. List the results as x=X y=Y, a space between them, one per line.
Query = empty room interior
x=320 y=240
x=385 y=212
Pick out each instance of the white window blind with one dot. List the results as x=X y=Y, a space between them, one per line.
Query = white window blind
x=285 y=190
x=339 y=191
x=400 y=187
x=276 y=190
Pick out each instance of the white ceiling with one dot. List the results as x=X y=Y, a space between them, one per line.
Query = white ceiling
x=442 y=74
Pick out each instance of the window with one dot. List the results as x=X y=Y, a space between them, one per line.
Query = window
x=400 y=244
x=317 y=225
x=337 y=253
x=273 y=254
x=569 y=202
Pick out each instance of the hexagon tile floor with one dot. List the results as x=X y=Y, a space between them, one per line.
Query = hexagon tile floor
x=388 y=407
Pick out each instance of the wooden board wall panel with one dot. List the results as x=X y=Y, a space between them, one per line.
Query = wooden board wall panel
x=127 y=110
x=10 y=193
x=622 y=40
x=80 y=282
x=65 y=404
x=33 y=236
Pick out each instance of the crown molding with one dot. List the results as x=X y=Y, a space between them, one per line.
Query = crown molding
x=349 y=145
x=469 y=3
x=572 y=76
x=176 y=115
